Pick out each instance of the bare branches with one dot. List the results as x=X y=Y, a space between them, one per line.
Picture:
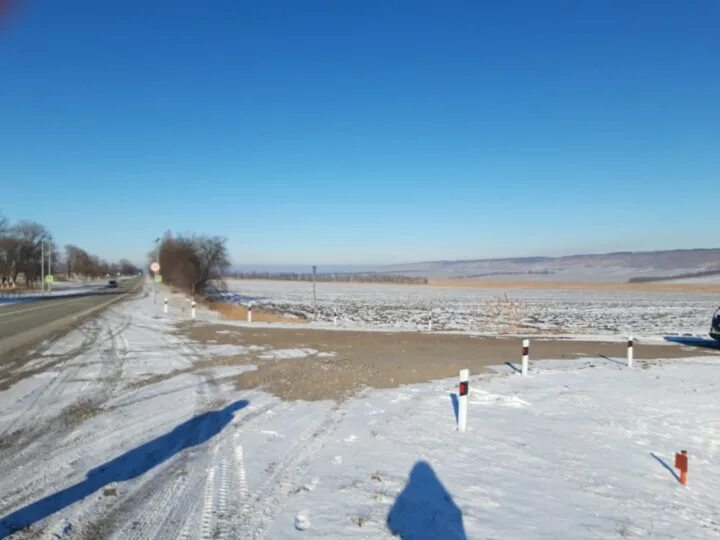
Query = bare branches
x=191 y=262
x=21 y=251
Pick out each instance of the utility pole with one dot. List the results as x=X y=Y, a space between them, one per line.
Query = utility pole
x=314 y=293
x=42 y=266
x=50 y=266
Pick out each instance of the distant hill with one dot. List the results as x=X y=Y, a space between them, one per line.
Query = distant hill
x=612 y=267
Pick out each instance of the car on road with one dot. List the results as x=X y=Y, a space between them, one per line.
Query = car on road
x=112 y=284
x=715 y=326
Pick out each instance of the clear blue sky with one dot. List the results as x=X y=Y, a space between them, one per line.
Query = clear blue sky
x=364 y=131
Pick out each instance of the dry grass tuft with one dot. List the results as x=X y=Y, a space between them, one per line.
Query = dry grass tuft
x=507 y=311
x=236 y=312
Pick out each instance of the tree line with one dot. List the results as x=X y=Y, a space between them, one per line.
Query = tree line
x=27 y=245
x=192 y=262
x=651 y=279
x=354 y=277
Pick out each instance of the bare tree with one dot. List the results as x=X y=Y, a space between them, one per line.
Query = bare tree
x=7 y=251
x=191 y=262
x=30 y=236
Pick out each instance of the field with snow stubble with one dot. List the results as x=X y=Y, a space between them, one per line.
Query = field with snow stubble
x=487 y=311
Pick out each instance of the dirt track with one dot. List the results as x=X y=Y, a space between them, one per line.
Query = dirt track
x=387 y=360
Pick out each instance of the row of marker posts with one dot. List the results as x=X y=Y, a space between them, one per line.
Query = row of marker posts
x=465 y=377
x=681 y=458
x=192 y=308
x=193 y=305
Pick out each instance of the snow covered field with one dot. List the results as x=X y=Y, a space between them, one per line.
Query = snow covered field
x=125 y=429
x=540 y=311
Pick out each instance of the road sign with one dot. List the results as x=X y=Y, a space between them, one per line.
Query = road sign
x=49 y=278
x=158 y=278
x=155 y=267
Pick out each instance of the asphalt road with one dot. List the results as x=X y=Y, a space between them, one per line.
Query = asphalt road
x=26 y=322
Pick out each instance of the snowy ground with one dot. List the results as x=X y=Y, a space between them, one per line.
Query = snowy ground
x=124 y=429
x=541 y=311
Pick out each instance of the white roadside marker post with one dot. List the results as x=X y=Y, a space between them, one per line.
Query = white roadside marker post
x=193 y=309
x=250 y=312
x=525 y=356
x=462 y=399
x=630 y=352
x=165 y=307
x=335 y=321
x=430 y=322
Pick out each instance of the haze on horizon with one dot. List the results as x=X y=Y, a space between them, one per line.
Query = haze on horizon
x=364 y=133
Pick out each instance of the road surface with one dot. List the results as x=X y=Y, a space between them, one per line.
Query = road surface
x=26 y=322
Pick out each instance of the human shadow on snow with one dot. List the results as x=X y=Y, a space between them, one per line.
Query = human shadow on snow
x=131 y=464
x=424 y=509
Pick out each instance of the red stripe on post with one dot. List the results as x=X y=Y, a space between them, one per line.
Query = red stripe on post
x=463 y=388
x=526 y=351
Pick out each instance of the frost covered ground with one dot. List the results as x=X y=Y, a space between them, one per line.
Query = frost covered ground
x=530 y=311
x=125 y=429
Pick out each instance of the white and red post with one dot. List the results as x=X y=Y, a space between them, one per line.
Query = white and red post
x=193 y=309
x=165 y=307
x=250 y=312
x=430 y=321
x=463 y=390
x=630 y=351
x=525 y=357
x=335 y=319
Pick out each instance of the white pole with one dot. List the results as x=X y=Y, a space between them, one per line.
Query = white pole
x=462 y=399
x=430 y=321
x=250 y=312
x=165 y=306
x=525 y=356
x=335 y=321
x=630 y=352
x=193 y=309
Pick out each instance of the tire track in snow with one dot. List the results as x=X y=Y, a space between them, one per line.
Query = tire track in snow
x=152 y=495
x=228 y=488
x=40 y=439
x=163 y=507
x=209 y=513
x=52 y=388
x=267 y=501
x=243 y=491
x=223 y=491
x=50 y=436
